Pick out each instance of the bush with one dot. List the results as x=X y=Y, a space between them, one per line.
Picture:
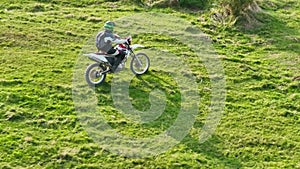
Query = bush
x=193 y=4
x=232 y=11
x=237 y=7
x=201 y=4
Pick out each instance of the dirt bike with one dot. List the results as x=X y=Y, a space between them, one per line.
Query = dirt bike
x=96 y=73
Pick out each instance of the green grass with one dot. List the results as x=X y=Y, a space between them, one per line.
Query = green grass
x=41 y=41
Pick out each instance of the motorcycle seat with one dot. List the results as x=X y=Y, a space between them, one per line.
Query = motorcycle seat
x=102 y=53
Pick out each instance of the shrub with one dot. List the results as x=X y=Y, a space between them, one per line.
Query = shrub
x=201 y=4
x=237 y=7
x=237 y=11
x=194 y=4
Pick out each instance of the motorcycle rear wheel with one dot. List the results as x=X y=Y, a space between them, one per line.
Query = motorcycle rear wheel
x=94 y=75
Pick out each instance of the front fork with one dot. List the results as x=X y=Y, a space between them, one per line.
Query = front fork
x=138 y=62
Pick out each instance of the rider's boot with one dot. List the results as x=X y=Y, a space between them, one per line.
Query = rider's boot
x=117 y=62
x=114 y=67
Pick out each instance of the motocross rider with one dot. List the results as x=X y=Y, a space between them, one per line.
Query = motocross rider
x=104 y=41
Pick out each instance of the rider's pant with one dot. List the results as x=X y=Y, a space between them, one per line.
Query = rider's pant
x=120 y=55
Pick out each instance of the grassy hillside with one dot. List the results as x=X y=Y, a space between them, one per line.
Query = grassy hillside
x=41 y=41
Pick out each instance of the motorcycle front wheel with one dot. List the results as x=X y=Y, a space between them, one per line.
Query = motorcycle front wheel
x=140 y=64
x=94 y=75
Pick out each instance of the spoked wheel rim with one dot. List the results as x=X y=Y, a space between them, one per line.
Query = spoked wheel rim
x=94 y=74
x=140 y=64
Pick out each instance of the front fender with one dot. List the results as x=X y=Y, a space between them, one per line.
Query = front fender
x=134 y=46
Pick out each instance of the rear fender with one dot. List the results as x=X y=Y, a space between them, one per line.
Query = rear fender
x=96 y=57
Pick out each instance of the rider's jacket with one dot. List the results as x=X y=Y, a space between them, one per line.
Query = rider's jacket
x=105 y=39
